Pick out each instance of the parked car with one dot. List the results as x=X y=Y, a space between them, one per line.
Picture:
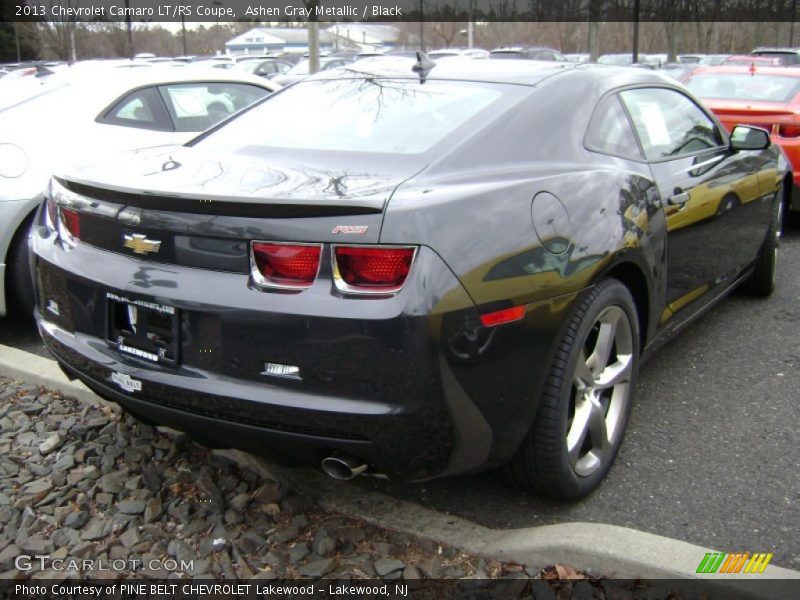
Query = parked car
x=301 y=69
x=751 y=59
x=67 y=116
x=712 y=59
x=580 y=57
x=787 y=56
x=617 y=59
x=692 y=59
x=677 y=70
x=462 y=52
x=379 y=272
x=269 y=67
x=527 y=53
x=767 y=97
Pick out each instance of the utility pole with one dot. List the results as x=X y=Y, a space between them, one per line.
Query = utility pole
x=313 y=46
x=635 y=55
x=313 y=36
x=183 y=35
x=129 y=28
x=16 y=41
x=791 y=24
x=421 y=26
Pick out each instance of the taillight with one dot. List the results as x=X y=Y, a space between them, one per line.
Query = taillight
x=788 y=131
x=287 y=266
x=72 y=221
x=69 y=228
x=372 y=269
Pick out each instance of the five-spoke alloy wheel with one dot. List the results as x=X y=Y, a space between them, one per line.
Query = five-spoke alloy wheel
x=586 y=400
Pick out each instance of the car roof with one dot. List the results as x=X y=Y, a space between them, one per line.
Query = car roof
x=774 y=50
x=744 y=69
x=153 y=74
x=106 y=83
x=518 y=72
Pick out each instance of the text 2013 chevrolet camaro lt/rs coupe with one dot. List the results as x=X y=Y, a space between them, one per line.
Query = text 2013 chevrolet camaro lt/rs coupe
x=427 y=270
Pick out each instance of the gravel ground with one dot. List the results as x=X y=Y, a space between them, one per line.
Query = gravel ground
x=88 y=482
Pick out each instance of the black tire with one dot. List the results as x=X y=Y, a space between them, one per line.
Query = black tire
x=19 y=284
x=762 y=282
x=542 y=464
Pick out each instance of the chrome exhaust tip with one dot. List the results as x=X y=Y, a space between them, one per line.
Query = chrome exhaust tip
x=343 y=467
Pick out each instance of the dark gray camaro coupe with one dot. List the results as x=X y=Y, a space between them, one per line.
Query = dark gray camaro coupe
x=414 y=272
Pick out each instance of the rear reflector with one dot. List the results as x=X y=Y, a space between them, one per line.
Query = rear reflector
x=372 y=269
x=788 y=131
x=507 y=315
x=288 y=266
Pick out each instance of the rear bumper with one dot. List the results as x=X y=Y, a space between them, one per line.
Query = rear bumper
x=412 y=385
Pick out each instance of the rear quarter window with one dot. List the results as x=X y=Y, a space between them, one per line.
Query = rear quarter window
x=610 y=131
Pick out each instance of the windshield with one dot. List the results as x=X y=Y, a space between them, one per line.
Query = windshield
x=743 y=86
x=357 y=114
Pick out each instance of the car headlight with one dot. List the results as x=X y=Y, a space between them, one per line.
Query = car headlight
x=13 y=161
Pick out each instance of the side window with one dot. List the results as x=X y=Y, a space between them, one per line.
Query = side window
x=669 y=124
x=195 y=107
x=266 y=68
x=140 y=108
x=610 y=130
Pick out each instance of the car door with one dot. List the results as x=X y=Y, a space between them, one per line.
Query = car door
x=710 y=194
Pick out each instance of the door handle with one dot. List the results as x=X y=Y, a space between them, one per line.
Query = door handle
x=678 y=198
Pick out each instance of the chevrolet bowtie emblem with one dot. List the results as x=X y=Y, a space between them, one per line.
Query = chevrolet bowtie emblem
x=140 y=244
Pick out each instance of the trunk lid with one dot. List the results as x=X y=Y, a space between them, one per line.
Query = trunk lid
x=204 y=210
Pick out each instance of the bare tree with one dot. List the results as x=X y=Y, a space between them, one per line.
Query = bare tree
x=56 y=35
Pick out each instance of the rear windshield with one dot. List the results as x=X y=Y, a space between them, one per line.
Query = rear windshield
x=358 y=114
x=22 y=91
x=743 y=86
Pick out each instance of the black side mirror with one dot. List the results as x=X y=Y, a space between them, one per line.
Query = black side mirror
x=744 y=137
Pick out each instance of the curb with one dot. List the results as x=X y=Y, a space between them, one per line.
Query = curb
x=611 y=550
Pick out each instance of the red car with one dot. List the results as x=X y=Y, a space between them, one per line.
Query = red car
x=767 y=97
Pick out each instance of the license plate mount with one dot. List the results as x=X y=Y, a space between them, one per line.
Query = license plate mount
x=143 y=329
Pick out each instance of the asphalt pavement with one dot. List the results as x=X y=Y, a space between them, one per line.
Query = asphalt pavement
x=710 y=456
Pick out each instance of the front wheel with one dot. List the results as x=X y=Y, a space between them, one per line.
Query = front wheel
x=586 y=400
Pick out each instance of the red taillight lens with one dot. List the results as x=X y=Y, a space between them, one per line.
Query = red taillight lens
x=72 y=222
x=285 y=265
x=788 y=131
x=373 y=269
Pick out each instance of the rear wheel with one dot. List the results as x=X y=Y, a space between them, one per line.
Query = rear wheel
x=762 y=281
x=586 y=401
